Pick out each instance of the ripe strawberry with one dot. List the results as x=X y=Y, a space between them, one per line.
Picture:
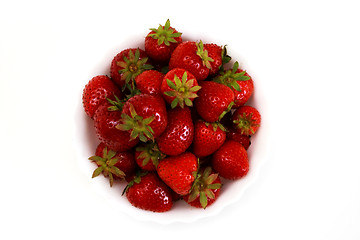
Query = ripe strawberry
x=205 y=190
x=96 y=91
x=232 y=134
x=179 y=132
x=144 y=116
x=214 y=101
x=146 y=191
x=231 y=160
x=239 y=81
x=149 y=82
x=192 y=57
x=161 y=42
x=219 y=55
x=246 y=120
x=208 y=137
x=179 y=88
x=105 y=125
x=115 y=165
x=147 y=156
x=179 y=172
x=128 y=64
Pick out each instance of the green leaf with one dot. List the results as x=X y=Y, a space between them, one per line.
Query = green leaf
x=98 y=171
x=170 y=93
x=95 y=158
x=236 y=86
x=188 y=102
x=203 y=200
x=184 y=78
x=171 y=84
x=174 y=103
x=195 y=88
x=210 y=194
x=117 y=172
x=215 y=186
x=177 y=81
x=113 y=161
x=142 y=137
x=111 y=179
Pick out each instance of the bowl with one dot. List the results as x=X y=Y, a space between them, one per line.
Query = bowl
x=85 y=142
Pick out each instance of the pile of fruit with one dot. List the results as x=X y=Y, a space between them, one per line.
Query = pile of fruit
x=171 y=120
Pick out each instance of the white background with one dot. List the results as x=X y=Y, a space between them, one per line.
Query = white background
x=304 y=54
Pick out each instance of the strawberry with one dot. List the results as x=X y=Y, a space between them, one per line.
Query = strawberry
x=144 y=116
x=96 y=91
x=146 y=191
x=179 y=88
x=219 y=55
x=208 y=137
x=161 y=42
x=214 y=101
x=246 y=120
x=205 y=190
x=231 y=160
x=128 y=64
x=239 y=81
x=149 y=82
x=179 y=132
x=192 y=57
x=238 y=137
x=147 y=156
x=105 y=125
x=179 y=172
x=113 y=164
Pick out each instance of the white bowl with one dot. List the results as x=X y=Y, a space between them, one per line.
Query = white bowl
x=85 y=142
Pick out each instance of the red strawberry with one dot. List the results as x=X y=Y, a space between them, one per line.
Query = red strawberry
x=179 y=172
x=208 y=137
x=96 y=91
x=179 y=132
x=144 y=116
x=231 y=160
x=219 y=55
x=105 y=125
x=149 y=82
x=179 y=88
x=246 y=120
x=240 y=82
x=205 y=190
x=238 y=137
x=113 y=164
x=192 y=57
x=128 y=64
x=214 y=101
x=161 y=42
x=147 y=156
x=146 y=191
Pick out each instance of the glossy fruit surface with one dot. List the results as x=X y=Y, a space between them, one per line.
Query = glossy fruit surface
x=231 y=160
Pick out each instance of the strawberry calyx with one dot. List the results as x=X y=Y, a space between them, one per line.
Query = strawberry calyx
x=136 y=179
x=230 y=77
x=245 y=124
x=150 y=152
x=132 y=67
x=225 y=58
x=203 y=185
x=106 y=165
x=203 y=54
x=164 y=34
x=215 y=125
x=116 y=105
x=138 y=126
x=183 y=90
x=228 y=109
